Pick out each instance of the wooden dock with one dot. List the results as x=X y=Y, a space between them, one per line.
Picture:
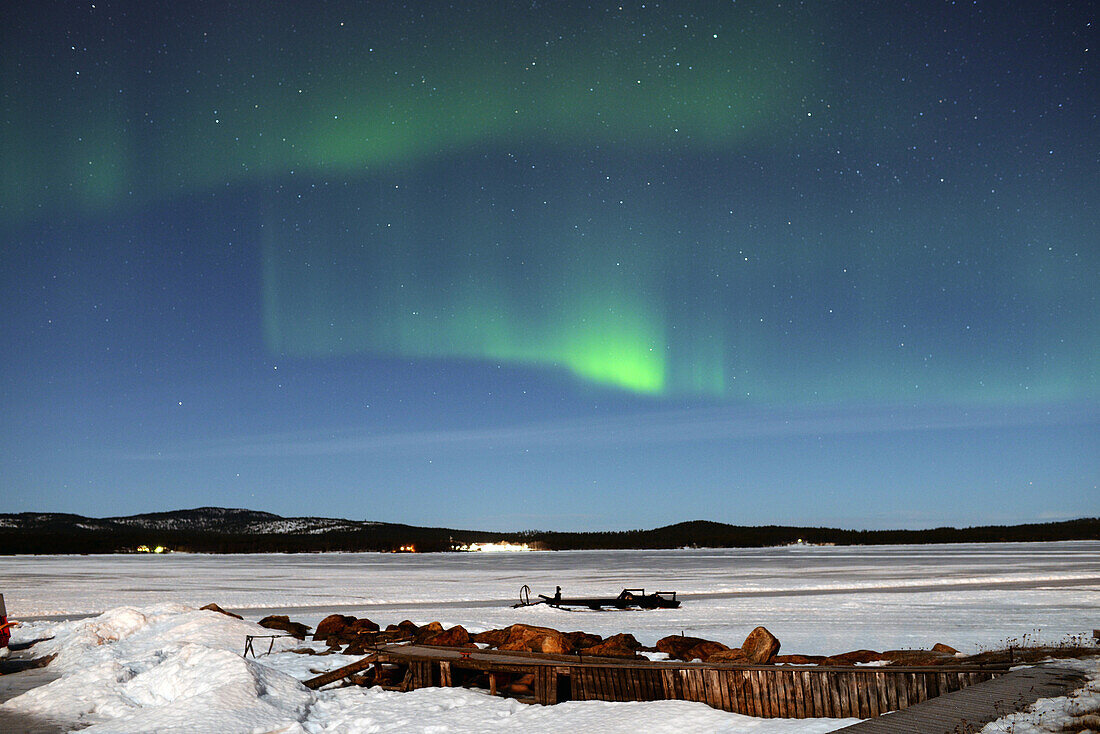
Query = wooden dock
x=766 y=691
x=968 y=710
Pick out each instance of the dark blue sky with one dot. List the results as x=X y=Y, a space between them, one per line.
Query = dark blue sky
x=552 y=266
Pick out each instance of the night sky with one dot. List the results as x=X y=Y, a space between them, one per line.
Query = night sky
x=552 y=265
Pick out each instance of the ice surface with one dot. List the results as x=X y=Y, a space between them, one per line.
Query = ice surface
x=150 y=663
x=817 y=600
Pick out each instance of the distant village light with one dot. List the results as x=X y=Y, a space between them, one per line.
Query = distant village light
x=501 y=547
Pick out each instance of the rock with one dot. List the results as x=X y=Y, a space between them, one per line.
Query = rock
x=332 y=626
x=492 y=638
x=735 y=655
x=535 y=639
x=363 y=625
x=581 y=640
x=282 y=623
x=429 y=630
x=616 y=646
x=917 y=657
x=456 y=636
x=215 y=608
x=358 y=647
x=858 y=656
x=393 y=634
x=947 y=649
x=682 y=647
x=799 y=659
x=760 y=646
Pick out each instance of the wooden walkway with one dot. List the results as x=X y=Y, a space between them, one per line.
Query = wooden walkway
x=765 y=691
x=967 y=711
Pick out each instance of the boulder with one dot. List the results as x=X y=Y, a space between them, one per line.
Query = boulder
x=917 y=657
x=456 y=636
x=760 y=646
x=332 y=626
x=492 y=638
x=529 y=638
x=799 y=659
x=947 y=649
x=215 y=608
x=283 y=624
x=616 y=646
x=360 y=626
x=735 y=655
x=857 y=656
x=581 y=640
x=681 y=647
x=429 y=630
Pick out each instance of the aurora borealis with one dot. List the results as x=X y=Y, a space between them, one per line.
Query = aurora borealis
x=362 y=252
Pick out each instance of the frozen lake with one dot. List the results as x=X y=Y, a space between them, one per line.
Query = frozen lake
x=817 y=600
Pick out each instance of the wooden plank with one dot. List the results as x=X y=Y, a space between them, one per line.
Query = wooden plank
x=820 y=702
x=971 y=707
x=736 y=689
x=802 y=693
x=760 y=692
x=614 y=684
x=780 y=681
x=591 y=685
x=947 y=683
x=624 y=683
x=756 y=694
x=901 y=682
x=445 y=674
x=700 y=684
x=603 y=685
x=805 y=685
x=725 y=690
x=836 y=707
x=654 y=685
x=864 y=694
x=634 y=684
x=844 y=709
x=668 y=683
x=770 y=686
x=796 y=706
x=339 y=673
x=871 y=687
x=883 y=685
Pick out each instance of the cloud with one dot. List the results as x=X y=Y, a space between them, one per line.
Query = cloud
x=641 y=429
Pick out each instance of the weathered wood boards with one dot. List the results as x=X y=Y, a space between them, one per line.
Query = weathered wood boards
x=762 y=691
x=970 y=708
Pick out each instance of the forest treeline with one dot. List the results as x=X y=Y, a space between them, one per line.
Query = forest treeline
x=31 y=533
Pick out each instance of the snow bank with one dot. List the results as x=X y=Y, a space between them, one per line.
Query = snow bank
x=167 y=668
x=1059 y=714
x=173 y=669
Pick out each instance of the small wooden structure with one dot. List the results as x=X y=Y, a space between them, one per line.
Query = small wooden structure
x=971 y=709
x=765 y=691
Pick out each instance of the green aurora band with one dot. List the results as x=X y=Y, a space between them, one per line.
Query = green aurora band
x=585 y=190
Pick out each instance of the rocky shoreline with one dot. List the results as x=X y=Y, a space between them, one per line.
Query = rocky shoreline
x=358 y=636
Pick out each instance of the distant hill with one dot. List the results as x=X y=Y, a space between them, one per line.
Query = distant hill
x=223 y=530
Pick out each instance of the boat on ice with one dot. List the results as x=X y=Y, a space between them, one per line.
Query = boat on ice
x=627 y=599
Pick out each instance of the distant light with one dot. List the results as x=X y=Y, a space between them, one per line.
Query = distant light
x=501 y=547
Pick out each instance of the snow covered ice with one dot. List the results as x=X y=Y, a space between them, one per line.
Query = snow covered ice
x=152 y=662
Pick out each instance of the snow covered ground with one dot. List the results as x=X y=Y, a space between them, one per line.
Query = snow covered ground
x=151 y=662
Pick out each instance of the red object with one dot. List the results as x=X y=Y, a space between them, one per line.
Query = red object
x=5 y=625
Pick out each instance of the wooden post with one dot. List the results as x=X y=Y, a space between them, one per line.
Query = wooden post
x=445 y=673
x=492 y=684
